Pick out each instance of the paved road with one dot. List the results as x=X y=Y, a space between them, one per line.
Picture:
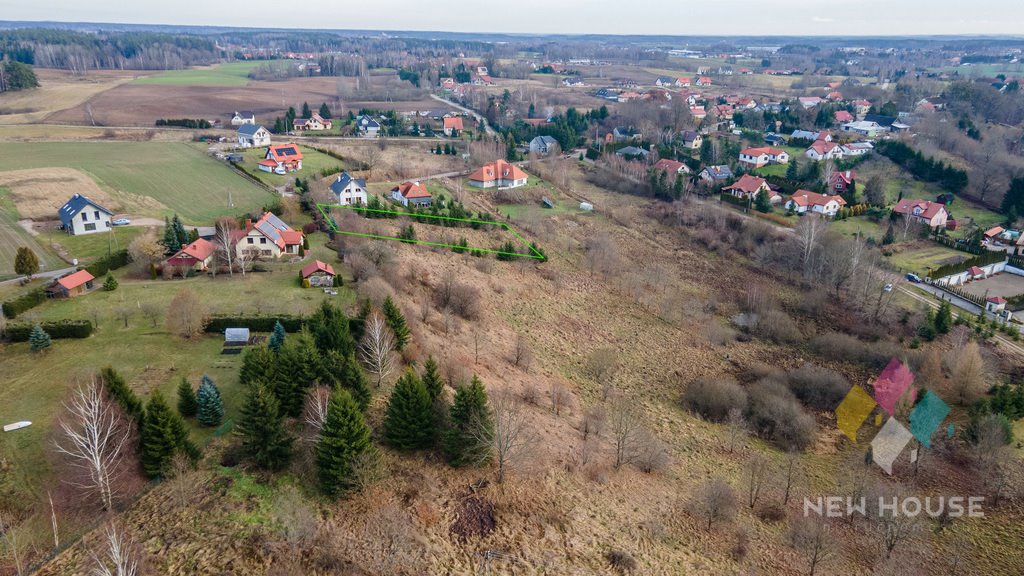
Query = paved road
x=44 y=274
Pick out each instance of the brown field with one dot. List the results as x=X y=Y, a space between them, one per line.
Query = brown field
x=58 y=90
x=1005 y=285
x=39 y=192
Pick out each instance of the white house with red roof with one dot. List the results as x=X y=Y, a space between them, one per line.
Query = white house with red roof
x=683 y=82
x=748 y=187
x=843 y=116
x=411 y=192
x=841 y=180
x=763 y=156
x=698 y=112
x=499 y=174
x=671 y=166
x=268 y=237
x=196 y=255
x=281 y=159
x=704 y=81
x=804 y=201
x=452 y=124
x=823 y=150
x=925 y=211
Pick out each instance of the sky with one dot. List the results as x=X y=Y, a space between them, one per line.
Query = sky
x=673 y=17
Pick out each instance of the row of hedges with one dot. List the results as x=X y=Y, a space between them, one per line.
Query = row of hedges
x=19 y=332
x=25 y=302
x=960 y=245
x=292 y=324
x=114 y=261
x=989 y=257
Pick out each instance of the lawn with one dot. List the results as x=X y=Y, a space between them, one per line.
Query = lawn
x=13 y=236
x=91 y=246
x=924 y=256
x=228 y=75
x=147 y=355
x=312 y=164
x=155 y=179
x=859 y=225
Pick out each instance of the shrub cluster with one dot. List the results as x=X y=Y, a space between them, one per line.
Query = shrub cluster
x=112 y=262
x=20 y=332
x=25 y=302
x=712 y=398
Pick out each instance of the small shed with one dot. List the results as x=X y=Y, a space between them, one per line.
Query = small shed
x=236 y=336
x=318 y=274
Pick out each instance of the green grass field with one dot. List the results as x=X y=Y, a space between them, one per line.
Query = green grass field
x=920 y=258
x=91 y=246
x=13 y=236
x=147 y=178
x=312 y=163
x=148 y=356
x=228 y=75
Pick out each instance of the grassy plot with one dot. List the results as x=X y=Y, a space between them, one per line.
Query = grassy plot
x=925 y=256
x=91 y=246
x=147 y=178
x=12 y=236
x=228 y=75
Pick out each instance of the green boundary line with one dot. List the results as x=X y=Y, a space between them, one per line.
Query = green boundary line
x=504 y=225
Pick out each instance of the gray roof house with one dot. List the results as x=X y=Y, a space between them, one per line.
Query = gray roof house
x=252 y=135
x=243 y=117
x=543 y=145
x=622 y=134
x=79 y=215
x=716 y=173
x=349 y=190
x=629 y=151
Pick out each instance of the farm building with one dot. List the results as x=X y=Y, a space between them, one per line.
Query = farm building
x=410 y=192
x=318 y=274
x=74 y=284
x=350 y=191
x=79 y=215
x=198 y=256
x=499 y=174
x=282 y=159
x=253 y=135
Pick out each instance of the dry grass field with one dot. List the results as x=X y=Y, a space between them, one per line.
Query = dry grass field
x=58 y=90
x=39 y=192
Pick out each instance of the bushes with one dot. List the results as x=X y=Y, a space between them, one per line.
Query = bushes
x=25 y=302
x=838 y=346
x=775 y=414
x=114 y=261
x=820 y=388
x=713 y=397
x=218 y=323
x=60 y=329
x=777 y=326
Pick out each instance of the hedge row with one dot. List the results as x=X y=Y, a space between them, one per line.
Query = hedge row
x=25 y=302
x=114 y=261
x=218 y=323
x=988 y=257
x=19 y=332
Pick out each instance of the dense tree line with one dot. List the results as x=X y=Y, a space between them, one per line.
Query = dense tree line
x=80 y=51
x=924 y=167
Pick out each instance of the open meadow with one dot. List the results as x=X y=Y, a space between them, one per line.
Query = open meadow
x=228 y=74
x=152 y=179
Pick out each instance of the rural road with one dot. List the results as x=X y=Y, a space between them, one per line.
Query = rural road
x=478 y=117
x=46 y=274
x=1004 y=343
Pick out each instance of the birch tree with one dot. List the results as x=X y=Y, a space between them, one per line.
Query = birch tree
x=225 y=246
x=119 y=559
x=376 y=347
x=808 y=232
x=94 y=437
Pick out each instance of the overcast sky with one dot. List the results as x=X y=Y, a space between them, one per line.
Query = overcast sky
x=677 y=17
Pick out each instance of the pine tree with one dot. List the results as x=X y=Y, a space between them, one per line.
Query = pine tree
x=110 y=284
x=944 y=318
x=277 y=337
x=179 y=231
x=171 y=243
x=306 y=112
x=257 y=366
x=38 y=339
x=210 y=408
x=396 y=320
x=261 y=425
x=163 y=434
x=330 y=329
x=118 y=391
x=432 y=379
x=325 y=111
x=470 y=419
x=343 y=438
x=409 y=421
x=187 y=403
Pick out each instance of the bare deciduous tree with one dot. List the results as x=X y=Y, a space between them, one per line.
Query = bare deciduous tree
x=808 y=233
x=714 y=501
x=13 y=542
x=738 y=428
x=969 y=375
x=186 y=315
x=225 y=244
x=315 y=414
x=756 y=475
x=511 y=438
x=521 y=355
x=152 y=311
x=376 y=347
x=94 y=437
x=118 y=559
x=809 y=535
x=602 y=364
x=560 y=398
x=625 y=428
x=594 y=419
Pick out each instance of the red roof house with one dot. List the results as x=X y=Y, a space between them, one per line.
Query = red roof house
x=452 y=123
x=749 y=186
x=319 y=274
x=281 y=159
x=843 y=116
x=925 y=211
x=198 y=255
x=74 y=284
x=410 y=192
x=498 y=173
x=671 y=166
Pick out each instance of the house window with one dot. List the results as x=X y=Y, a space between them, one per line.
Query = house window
x=96 y=214
x=85 y=217
x=263 y=240
x=265 y=253
x=106 y=224
x=250 y=240
x=90 y=226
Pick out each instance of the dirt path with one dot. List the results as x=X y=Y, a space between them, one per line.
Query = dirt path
x=27 y=226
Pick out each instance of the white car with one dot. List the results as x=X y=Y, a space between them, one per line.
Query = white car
x=121 y=222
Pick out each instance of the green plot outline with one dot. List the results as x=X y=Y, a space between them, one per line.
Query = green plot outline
x=504 y=225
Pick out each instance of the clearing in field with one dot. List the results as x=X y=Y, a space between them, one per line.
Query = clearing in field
x=229 y=74
x=58 y=90
x=153 y=179
x=528 y=252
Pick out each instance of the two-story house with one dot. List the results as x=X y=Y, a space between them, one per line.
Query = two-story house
x=79 y=215
x=349 y=191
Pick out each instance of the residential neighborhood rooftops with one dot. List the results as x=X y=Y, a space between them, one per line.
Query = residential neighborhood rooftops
x=75 y=205
x=76 y=279
x=344 y=179
x=284 y=152
x=276 y=230
x=249 y=129
x=808 y=198
x=498 y=170
x=670 y=165
x=747 y=184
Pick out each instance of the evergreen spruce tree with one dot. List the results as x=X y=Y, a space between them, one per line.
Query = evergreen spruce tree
x=306 y=112
x=344 y=437
x=297 y=368
x=179 y=231
x=26 y=263
x=118 y=391
x=409 y=420
x=257 y=366
x=890 y=236
x=325 y=111
x=187 y=403
x=163 y=434
x=469 y=420
x=341 y=371
x=210 y=408
x=396 y=320
x=171 y=243
x=38 y=339
x=793 y=171
x=944 y=318
x=265 y=440
x=762 y=202
x=432 y=378
x=110 y=284
x=330 y=329
x=277 y=337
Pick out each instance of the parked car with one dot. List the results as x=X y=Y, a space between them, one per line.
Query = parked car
x=887 y=288
x=913 y=277
x=121 y=222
